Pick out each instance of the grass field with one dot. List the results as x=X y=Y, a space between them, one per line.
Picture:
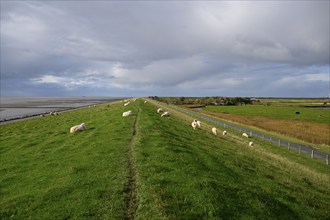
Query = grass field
x=311 y=125
x=148 y=167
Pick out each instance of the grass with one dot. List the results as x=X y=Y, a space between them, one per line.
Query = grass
x=276 y=112
x=48 y=173
x=307 y=126
x=177 y=173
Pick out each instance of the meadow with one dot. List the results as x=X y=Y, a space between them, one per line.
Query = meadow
x=310 y=125
x=148 y=167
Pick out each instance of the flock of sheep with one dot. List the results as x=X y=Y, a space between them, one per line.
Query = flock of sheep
x=195 y=124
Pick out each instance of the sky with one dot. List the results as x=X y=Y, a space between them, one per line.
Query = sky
x=165 y=48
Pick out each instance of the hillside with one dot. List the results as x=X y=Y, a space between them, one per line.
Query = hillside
x=145 y=166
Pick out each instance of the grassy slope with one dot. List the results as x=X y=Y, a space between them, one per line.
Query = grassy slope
x=186 y=174
x=47 y=173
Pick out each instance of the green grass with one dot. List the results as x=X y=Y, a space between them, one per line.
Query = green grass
x=280 y=112
x=48 y=173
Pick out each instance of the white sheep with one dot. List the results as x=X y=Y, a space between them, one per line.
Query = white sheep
x=128 y=113
x=194 y=124
x=145 y=102
x=214 y=130
x=251 y=144
x=160 y=110
x=224 y=133
x=199 y=123
x=165 y=114
x=245 y=135
x=127 y=103
x=76 y=128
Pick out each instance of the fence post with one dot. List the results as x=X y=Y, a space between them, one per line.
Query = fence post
x=327 y=159
x=250 y=133
x=312 y=155
x=299 y=149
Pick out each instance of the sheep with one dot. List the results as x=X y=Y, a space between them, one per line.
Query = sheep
x=245 y=135
x=165 y=114
x=198 y=123
x=224 y=133
x=214 y=130
x=128 y=113
x=194 y=124
x=145 y=102
x=127 y=103
x=251 y=144
x=76 y=128
x=160 y=110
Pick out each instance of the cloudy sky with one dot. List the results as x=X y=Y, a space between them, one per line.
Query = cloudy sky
x=165 y=48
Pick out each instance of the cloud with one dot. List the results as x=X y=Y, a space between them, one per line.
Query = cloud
x=142 y=48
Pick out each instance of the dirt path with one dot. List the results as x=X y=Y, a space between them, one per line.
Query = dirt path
x=132 y=201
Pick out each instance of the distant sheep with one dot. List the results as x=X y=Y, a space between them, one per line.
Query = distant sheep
x=53 y=113
x=128 y=113
x=297 y=113
x=199 y=123
x=224 y=133
x=194 y=124
x=245 y=135
x=165 y=114
x=160 y=110
x=76 y=128
x=127 y=103
x=214 y=130
x=251 y=144
x=145 y=102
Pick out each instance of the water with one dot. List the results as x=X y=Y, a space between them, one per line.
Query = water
x=20 y=107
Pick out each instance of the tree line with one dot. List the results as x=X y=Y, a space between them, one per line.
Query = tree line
x=203 y=101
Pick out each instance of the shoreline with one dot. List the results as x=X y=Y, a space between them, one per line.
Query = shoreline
x=29 y=109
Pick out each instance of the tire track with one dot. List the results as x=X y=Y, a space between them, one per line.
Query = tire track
x=131 y=203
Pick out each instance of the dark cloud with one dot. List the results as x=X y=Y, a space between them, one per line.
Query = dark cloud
x=273 y=48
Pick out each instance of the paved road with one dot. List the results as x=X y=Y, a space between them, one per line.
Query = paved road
x=314 y=153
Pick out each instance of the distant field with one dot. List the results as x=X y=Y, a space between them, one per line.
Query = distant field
x=148 y=167
x=310 y=125
x=277 y=112
x=296 y=102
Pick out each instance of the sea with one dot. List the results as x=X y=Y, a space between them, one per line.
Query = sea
x=15 y=107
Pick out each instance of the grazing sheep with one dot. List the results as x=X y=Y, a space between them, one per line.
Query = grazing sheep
x=214 y=130
x=194 y=124
x=128 y=113
x=76 y=128
x=165 y=114
x=297 y=113
x=224 y=133
x=251 y=144
x=145 y=102
x=245 y=135
x=160 y=110
x=127 y=103
x=199 y=123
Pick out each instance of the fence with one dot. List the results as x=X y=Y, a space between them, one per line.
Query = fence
x=289 y=145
